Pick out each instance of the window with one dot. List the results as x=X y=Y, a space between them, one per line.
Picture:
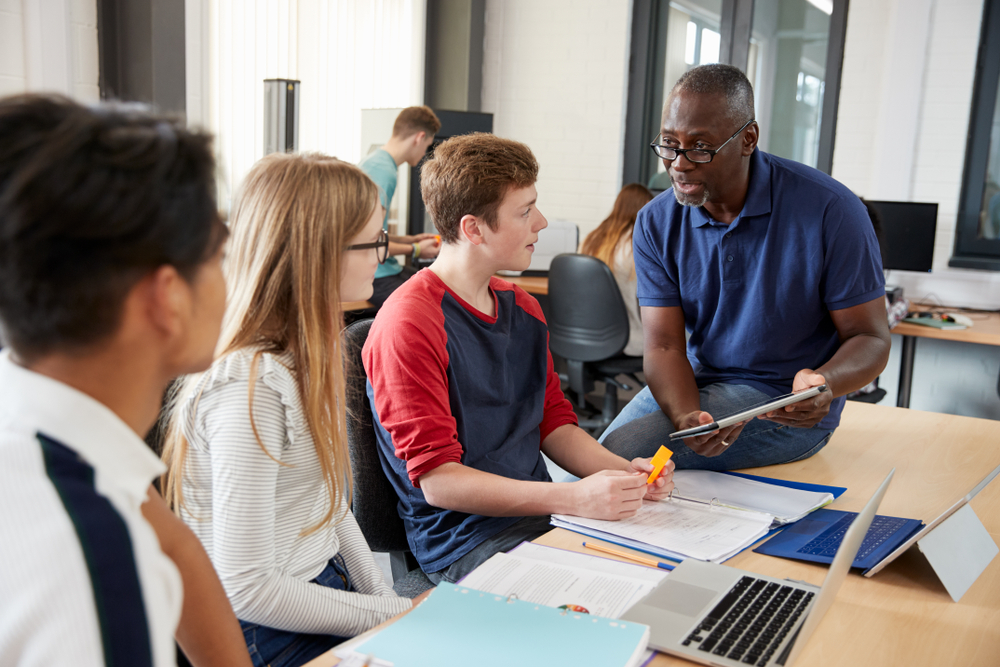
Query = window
x=791 y=51
x=977 y=239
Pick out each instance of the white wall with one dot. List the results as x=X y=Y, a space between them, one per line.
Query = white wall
x=555 y=77
x=49 y=45
x=904 y=111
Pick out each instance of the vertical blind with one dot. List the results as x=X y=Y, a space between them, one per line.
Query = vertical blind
x=348 y=54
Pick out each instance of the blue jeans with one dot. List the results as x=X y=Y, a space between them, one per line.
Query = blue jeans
x=641 y=428
x=524 y=530
x=270 y=647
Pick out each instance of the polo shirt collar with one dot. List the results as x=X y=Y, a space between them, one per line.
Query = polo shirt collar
x=81 y=423
x=758 y=200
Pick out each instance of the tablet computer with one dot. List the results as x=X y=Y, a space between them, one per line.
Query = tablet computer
x=749 y=413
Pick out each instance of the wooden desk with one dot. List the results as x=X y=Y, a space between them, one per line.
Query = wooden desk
x=985 y=331
x=903 y=615
x=530 y=284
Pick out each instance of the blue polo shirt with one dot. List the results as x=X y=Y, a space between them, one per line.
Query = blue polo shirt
x=756 y=293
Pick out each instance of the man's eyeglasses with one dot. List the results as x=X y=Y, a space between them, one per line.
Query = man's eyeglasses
x=381 y=247
x=696 y=155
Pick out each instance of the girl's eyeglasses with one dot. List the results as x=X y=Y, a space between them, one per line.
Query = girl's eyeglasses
x=381 y=247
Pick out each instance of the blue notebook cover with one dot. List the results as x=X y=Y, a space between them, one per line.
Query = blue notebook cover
x=835 y=491
x=457 y=625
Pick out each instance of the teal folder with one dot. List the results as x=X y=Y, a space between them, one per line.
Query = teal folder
x=457 y=625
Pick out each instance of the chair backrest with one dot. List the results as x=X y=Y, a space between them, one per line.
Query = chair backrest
x=375 y=499
x=587 y=319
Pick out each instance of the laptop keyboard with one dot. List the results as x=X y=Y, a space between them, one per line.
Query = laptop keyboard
x=826 y=543
x=751 y=621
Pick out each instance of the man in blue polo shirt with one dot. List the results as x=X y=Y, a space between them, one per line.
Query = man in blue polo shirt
x=773 y=268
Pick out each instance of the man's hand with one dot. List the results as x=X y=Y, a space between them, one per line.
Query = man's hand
x=609 y=494
x=662 y=486
x=711 y=444
x=809 y=412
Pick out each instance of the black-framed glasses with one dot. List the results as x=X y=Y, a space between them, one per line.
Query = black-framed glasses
x=696 y=155
x=381 y=246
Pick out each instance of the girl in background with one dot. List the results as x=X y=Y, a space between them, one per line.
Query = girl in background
x=611 y=243
x=257 y=447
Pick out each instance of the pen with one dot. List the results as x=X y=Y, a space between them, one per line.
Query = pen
x=624 y=554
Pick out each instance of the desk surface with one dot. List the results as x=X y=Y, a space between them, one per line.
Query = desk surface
x=903 y=615
x=530 y=284
x=985 y=329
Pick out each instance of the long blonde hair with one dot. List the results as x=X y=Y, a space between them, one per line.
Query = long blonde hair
x=617 y=227
x=292 y=219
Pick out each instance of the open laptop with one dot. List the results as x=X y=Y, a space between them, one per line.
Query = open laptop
x=719 y=615
x=816 y=537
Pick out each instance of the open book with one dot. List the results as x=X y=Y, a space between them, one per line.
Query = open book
x=711 y=516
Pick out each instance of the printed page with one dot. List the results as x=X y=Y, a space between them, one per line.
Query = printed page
x=588 y=561
x=784 y=503
x=692 y=529
x=556 y=585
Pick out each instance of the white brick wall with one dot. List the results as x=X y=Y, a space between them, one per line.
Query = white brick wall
x=52 y=48
x=555 y=76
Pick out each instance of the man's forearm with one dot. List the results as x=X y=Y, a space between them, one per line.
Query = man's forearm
x=857 y=362
x=671 y=381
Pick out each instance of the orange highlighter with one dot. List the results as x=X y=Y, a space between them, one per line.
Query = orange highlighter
x=659 y=460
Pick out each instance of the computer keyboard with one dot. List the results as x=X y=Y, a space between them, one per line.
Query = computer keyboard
x=751 y=621
x=826 y=543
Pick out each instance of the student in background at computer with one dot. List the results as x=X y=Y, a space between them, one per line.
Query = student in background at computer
x=611 y=243
x=772 y=267
x=412 y=134
x=257 y=447
x=110 y=285
x=463 y=390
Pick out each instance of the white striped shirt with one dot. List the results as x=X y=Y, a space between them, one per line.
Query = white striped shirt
x=250 y=511
x=82 y=578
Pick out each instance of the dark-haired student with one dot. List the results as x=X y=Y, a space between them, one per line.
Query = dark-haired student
x=463 y=390
x=110 y=285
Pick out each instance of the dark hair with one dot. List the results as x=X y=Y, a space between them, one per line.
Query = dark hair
x=416 y=119
x=720 y=79
x=470 y=175
x=617 y=227
x=92 y=199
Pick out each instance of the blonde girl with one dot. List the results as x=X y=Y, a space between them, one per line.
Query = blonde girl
x=256 y=446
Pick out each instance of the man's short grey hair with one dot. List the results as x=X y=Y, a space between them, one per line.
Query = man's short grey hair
x=719 y=79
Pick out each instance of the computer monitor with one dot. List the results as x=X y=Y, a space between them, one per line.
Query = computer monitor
x=908 y=234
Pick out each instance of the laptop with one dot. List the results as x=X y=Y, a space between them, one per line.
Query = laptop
x=719 y=615
x=816 y=537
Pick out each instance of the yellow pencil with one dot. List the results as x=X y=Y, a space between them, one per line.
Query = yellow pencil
x=630 y=556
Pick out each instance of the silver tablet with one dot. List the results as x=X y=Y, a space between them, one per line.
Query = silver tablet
x=749 y=413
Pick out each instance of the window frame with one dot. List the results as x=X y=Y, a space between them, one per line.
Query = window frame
x=970 y=251
x=647 y=61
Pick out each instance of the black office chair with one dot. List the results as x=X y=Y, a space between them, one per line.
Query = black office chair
x=375 y=500
x=588 y=328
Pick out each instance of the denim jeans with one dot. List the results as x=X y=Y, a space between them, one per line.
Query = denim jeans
x=270 y=647
x=524 y=530
x=641 y=428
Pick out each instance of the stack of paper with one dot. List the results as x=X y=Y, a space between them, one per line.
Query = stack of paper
x=561 y=578
x=678 y=529
x=785 y=504
x=711 y=516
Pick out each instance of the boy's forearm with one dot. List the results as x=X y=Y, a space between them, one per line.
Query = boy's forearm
x=575 y=451
x=456 y=487
x=208 y=632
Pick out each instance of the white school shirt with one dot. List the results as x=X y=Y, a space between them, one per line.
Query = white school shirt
x=78 y=561
x=624 y=273
x=250 y=511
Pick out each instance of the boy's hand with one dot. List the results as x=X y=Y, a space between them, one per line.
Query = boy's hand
x=609 y=495
x=662 y=486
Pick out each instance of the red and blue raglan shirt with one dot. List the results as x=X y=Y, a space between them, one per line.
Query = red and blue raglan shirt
x=447 y=383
